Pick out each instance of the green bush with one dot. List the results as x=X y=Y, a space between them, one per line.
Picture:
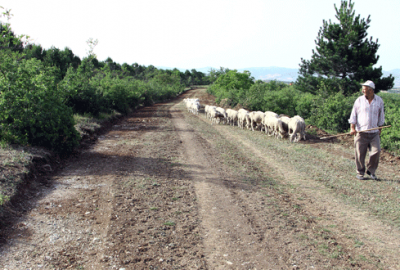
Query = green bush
x=306 y=104
x=118 y=94
x=92 y=90
x=232 y=85
x=272 y=96
x=154 y=91
x=390 y=137
x=80 y=93
x=333 y=113
x=31 y=109
x=281 y=102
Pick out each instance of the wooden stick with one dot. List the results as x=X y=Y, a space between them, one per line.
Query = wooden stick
x=344 y=134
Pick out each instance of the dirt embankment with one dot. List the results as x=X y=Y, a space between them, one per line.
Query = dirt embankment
x=164 y=189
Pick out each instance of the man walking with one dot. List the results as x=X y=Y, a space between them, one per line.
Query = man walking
x=367 y=113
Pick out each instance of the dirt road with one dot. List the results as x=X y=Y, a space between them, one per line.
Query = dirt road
x=165 y=189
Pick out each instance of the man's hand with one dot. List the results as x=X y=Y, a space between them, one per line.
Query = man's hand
x=353 y=129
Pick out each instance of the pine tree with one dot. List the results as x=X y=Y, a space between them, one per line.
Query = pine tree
x=344 y=57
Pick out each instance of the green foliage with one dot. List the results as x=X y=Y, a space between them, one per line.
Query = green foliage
x=8 y=40
x=390 y=137
x=153 y=91
x=78 y=91
x=3 y=199
x=333 y=113
x=213 y=74
x=34 y=51
x=92 y=90
x=268 y=96
x=344 y=56
x=282 y=102
x=117 y=94
x=231 y=86
x=193 y=77
x=307 y=104
x=31 y=110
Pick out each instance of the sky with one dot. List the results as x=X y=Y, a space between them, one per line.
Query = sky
x=188 y=34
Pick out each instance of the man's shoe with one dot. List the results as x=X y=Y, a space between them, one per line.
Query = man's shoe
x=360 y=177
x=373 y=176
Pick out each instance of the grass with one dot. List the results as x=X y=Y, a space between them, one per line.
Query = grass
x=14 y=156
x=4 y=199
x=141 y=182
x=303 y=237
x=358 y=243
x=169 y=223
x=296 y=206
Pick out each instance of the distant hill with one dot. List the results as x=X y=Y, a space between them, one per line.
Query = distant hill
x=286 y=74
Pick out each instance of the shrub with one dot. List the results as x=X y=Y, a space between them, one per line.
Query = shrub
x=118 y=94
x=79 y=92
x=232 y=85
x=306 y=104
x=390 y=137
x=154 y=91
x=333 y=113
x=281 y=102
x=31 y=109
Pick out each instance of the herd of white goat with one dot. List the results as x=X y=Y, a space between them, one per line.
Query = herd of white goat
x=280 y=126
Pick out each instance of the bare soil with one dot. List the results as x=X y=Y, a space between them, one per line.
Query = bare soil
x=165 y=189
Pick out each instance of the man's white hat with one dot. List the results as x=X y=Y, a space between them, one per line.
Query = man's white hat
x=370 y=84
